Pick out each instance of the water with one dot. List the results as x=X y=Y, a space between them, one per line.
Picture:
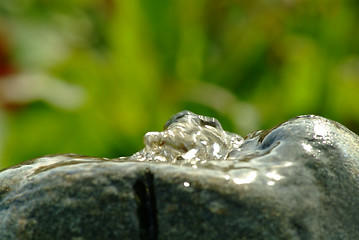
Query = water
x=199 y=142
x=193 y=140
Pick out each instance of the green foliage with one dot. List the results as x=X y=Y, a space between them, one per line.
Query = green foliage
x=115 y=70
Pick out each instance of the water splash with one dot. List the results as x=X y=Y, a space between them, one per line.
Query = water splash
x=197 y=141
x=189 y=138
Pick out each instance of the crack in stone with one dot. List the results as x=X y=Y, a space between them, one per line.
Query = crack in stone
x=146 y=207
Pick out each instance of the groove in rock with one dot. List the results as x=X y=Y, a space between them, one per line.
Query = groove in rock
x=146 y=206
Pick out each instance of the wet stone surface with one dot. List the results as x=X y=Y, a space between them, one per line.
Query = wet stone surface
x=193 y=180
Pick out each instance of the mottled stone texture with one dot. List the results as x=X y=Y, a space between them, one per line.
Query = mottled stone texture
x=299 y=180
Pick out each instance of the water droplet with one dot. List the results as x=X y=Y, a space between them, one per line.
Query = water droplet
x=243 y=176
x=320 y=130
x=307 y=147
x=274 y=175
x=270 y=183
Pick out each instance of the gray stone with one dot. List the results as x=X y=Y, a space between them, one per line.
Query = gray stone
x=299 y=180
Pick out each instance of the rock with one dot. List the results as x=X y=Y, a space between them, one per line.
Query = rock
x=298 y=180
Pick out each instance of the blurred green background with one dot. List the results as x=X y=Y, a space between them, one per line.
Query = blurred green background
x=93 y=76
